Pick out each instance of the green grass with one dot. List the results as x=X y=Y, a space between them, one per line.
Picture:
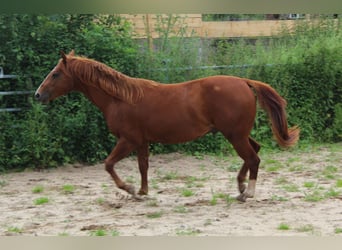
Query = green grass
x=330 y=172
x=278 y=198
x=338 y=230
x=3 y=183
x=291 y=187
x=339 y=183
x=309 y=184
x=313 y=196
x=331 y=193
x=181 y=209
x=305 y=228
x=37 y=189
x=283 y=226
x=41 y=201
x=170 y=176
x=15 y=230
x=99 y=232
x=187 y=192
x=154 y=215
x=68 y=189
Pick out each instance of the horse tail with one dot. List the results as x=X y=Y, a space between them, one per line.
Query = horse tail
x=270 y=101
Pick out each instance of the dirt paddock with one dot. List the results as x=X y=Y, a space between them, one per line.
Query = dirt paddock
x=298 y=193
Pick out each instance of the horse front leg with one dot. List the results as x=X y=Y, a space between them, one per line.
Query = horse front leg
x=122 y=149
x=143 y=153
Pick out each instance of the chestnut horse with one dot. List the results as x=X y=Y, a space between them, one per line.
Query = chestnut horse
x=140 y=111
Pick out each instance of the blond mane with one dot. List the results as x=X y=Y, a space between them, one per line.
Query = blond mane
x=114 y=83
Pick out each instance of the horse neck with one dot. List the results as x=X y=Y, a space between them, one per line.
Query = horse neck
x=97 y=96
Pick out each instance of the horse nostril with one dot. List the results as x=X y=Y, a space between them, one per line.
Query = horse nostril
x=37 y=95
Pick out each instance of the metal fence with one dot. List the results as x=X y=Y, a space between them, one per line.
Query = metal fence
x=7 y=93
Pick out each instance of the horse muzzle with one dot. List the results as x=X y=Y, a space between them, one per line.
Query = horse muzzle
x=42 y=97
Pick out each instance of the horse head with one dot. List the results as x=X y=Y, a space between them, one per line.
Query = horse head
x=57 y=83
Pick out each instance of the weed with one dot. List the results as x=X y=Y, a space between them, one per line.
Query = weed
x=314 y=196
x=278 y=198
x=187 y=192
x=180 y=209
x=41 y=201
x=338 y=230
x=68 y=189
x=100 y=201
x=272 y=165
x=99 y=232
x=339 y=183
x=291 y=188
x=37 y=189
x=283 y=226
x=3 y=183
x=130 y=179
x=170 y=176
x=281 y=180
x=309 y=184
x=305 y=228
x=332 y=193
x=330 y=172
x=154 y=215
x=115 y=233
x=152 y=203
x=15 y=230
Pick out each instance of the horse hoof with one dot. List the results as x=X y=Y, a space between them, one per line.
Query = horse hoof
x=242 y=188
x=242 y=197
x=130 y=189
x=142 y=192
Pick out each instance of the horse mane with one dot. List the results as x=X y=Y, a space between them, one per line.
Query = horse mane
x=114 y=83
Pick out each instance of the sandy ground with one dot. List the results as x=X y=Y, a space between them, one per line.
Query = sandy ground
x=298 y=193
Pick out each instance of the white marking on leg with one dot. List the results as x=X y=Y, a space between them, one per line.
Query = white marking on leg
x=250 y=188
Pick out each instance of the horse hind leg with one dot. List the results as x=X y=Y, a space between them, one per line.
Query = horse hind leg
x=247 y=150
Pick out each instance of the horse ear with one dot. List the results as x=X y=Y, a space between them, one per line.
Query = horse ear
x=63 y=57
x=72 y=53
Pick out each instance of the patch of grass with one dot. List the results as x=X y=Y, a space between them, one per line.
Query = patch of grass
x=68 y=189
x=181 y=209
x=305 y=228
x=130 y=179
x=41 y=201
x=152 y=203
x=338 y=230
x=115 y=233
x=16 y=230
x=154 y=215
x=170 y=176
x=314 y=196
x=100 y=201
x=339 y=183
x=291 y=187
x=272 y=165
x=192 y=181
x=281 y=181
x=187 y=192
x=283 y=226
x=3 y=183
x=37 y=189
x=278 y=198
x=332 y=193
x=309 y=184
x=99 y=232
x=330 y=172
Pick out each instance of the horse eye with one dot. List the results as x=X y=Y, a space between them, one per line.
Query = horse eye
x=55 y=75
